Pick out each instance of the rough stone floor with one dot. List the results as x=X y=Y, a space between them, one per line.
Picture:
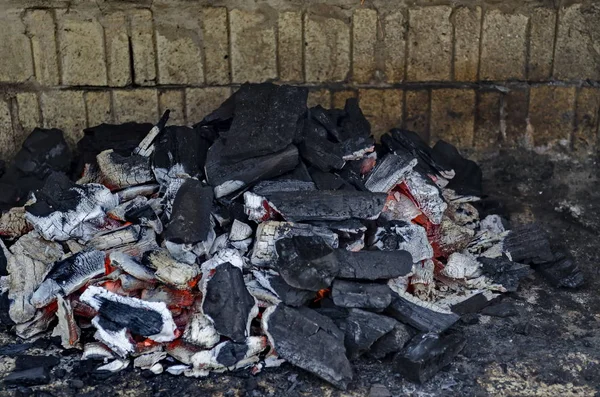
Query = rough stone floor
x=552 y=348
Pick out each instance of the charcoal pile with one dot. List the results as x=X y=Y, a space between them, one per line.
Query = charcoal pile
x=266 y=233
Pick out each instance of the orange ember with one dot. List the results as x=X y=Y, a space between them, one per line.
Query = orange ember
x=322 y=294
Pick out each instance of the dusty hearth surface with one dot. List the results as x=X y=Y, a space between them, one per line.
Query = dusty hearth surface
x=330 y=273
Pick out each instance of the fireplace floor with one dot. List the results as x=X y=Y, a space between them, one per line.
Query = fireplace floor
x=552 y=347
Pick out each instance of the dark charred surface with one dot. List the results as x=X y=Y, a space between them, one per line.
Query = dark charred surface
x=190 y=221
x=551 y=347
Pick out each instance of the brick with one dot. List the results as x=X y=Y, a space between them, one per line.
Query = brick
x=216 y=45
x=585 y=139
x=416 y=118
x=7 y=141
x=139 y=105
x=65 y=110
x=364 y=39
x=178 y=49
x=487 y=120
x=339 y=98
x=552 y=114
x=16 y=62
x=394 y=46
x=503 y=46
x=117 y=49
x=290 y=46
x=142 y=46
x=429 y=43
x=577 y=55
x=199 y=102
x=40 y=28
x=253 y=42
x=467 y=31
x=98 y=108
x=515 y=106
x=29 y=115
x=81 y=47
x=383 y=109
x=327 y=49
x=541 y=44
x=172 y=100
x=319 y=97
x=453 y=116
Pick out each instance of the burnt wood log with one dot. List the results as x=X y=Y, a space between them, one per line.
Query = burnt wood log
x=363 y=328
x=421 y=315
x=190 y=219
x=373 y=265
x=361 y=295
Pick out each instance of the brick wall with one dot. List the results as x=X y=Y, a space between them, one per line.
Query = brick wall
x=476 y=74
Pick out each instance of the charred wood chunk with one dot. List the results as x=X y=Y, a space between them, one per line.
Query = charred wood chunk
x=68 y=275
x=180 y=150
x=265 y=121
x=374 y=265
x=320 y=152
x=426 y=354
x=190 y=219
x=400 y=235
x=353 y=122
x=267 y=233
x=227 y=178
x=528 y=244
x=467 y=180
x=562 y=272
x=118 y=172
x=389 y=172
x=289 y=295
x=392 y=342
x=363 y=329
x=504 y=271
x=322 y=116
x=44 y=151
x=502 y=309
x=264 y=188
x=170 y=271
x=328 y=181
x=473 y=304
x=307 y=263
x=305 y=343
x=228 y=303
x=366 y=296
x=231 y=353
x=327 y=205
x=327 y=321
x=421 y=315
x=116 y=238
x=28 y=377
x=62 y=210
x=29 y=361
x=427 y=196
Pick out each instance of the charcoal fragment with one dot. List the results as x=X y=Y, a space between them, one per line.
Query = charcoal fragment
x=472 y=304
x=391 y=342
x=421 y=315
x=227 y=302
x=361 y=295
x=305 y=343
x=118 y=172
x=289 y=295
x=504 y=272
x=562 y=272
x=467 y=179
x=528 y=244
x=373 y=265
x=502 y=309
x=190 y=219
x=426 y=354
x=29 y=377
x=307 y=263
x=363 y=328
x=29 y=361
x=231 y=353
x=327 y=205
x=389 y=172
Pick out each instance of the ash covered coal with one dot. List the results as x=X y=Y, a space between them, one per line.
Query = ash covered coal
x=266 y=233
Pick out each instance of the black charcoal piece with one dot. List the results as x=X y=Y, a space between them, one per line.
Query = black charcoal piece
x=307 y=263
x=363 y=329
x=562 y=272
x=28 y=362
x=264 y=188
x=416 y=313
x=391 y=342
x=28 y=377
x=389 y=172
x=319 y=114
x=472 y=304
x=321 y=153
x=328 y=181
x=353 y=122
x=227 y=178
x=426 y=354
x=221 y=117
x=289 y=295
x=14 y=349
x=190 y=219
x=228 y=303
x=305 y=343
x=358 y=295
x=528 y=244
x=505 y=272
x=467 y=178
x=114 y=316
x=265 y=120
x=326 y=321
x=327 y=205
x=179 y=149
x=42 y=152
x=374 y=265
x=231 y=353
x=119 y=172
x=502 y=309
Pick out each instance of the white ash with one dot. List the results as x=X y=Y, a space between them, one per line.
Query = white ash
x=399 y=284
x=118 y=175
x=13 y=223
x=114 y=366
x=131 y=266
x=254 y=208
x=201 y=332
x=40 y=322
x=67 y=328
x=177 y=369
x=415 y=241
x=97 y=351
x=226 y=255
x=131 y=193
x=157 y=369
x=461 y=266
x=263 y=296
x=170 y=271
x=228 y=187
x=388 y=173
x=221 y=242
x=492 y=224
x=400 y=207
x=148 y=360
x=239 y=231
x=465 y=214
x=427 y=196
